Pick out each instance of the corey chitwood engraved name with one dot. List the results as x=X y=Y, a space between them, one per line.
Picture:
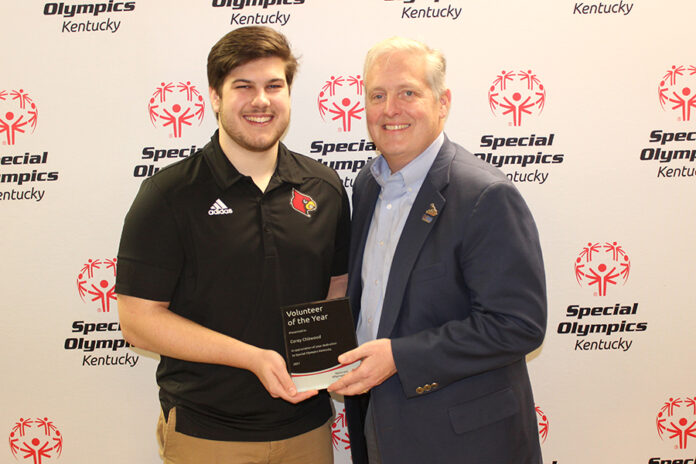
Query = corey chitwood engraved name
x=305 y=339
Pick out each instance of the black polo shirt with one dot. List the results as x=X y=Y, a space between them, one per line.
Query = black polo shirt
x=228 y=256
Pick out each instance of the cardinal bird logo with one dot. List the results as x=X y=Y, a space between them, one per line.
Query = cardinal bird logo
x=302 y=203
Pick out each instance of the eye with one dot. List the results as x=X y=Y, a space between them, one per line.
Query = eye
x=409 y=93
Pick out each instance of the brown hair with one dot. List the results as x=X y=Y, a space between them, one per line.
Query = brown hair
x=246 y=44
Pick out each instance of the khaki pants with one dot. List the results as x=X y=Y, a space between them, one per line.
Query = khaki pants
x=313 y=447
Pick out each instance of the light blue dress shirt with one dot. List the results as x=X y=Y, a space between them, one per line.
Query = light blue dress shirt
x=398 y=192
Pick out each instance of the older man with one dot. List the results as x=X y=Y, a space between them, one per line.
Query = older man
x=447 y=283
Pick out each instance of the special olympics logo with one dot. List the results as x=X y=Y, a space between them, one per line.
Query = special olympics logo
x=341 y=99
x=18 y=114
x=38 y=439
x=602 y=265
x=677 y=90
x=176 y=105
x=677 y=420
x=339 y=432
x=543 y=424
x=516 y=94
x=96 y=282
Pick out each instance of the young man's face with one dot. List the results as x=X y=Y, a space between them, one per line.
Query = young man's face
x=403 y=115
x=254 y=105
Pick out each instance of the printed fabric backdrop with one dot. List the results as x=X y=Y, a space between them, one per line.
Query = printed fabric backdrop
x=590 y=108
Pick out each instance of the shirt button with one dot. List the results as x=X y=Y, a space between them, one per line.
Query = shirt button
x=369 y=320
x=381 y=243
x=389 y=206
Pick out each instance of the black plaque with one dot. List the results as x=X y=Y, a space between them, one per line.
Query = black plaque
x=315 y=334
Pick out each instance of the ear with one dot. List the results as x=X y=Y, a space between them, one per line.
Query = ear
x=445 y=102
x=214 y=99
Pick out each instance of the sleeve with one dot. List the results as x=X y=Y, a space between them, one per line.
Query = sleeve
x=150 y=255
x=503 y=274
x=340 y=261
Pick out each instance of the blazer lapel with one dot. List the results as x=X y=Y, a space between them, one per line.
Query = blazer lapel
x=421 y=219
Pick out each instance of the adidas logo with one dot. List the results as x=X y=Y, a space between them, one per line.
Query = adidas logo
x=219 y=208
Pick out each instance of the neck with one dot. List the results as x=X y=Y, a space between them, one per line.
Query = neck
x=259 y=165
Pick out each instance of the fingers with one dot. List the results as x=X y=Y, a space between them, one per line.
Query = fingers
x=284 y=380
x=300 y=397
x=355 y=382
x=275 y=378
x=353 y=355
x=377 y=365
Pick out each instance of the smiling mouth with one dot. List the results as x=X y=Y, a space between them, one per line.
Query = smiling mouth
x=258 y=119
x=393 y=127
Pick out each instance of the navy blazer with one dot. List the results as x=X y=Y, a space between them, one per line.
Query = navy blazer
x=465 y=302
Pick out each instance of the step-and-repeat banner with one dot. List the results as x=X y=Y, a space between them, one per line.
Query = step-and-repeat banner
x=589 y=107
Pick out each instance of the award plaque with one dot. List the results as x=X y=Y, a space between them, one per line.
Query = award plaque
x=316 y=333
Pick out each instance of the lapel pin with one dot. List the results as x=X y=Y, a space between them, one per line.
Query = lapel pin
x=430 y=213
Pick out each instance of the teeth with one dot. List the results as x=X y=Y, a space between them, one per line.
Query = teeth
x=258 y=118
x=396 y=126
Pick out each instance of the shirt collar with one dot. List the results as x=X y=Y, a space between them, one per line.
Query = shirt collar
x=415 y=171
x=225 y=174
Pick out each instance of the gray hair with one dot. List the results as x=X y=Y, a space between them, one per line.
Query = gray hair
x=436 y=64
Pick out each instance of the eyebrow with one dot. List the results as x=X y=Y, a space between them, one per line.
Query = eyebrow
x=248 y=81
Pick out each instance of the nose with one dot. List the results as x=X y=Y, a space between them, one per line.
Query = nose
x=391 y=106
x=260 y=99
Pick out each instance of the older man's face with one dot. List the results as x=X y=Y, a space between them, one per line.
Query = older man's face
x=403 y=115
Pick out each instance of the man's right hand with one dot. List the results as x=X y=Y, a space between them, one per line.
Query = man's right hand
x=152 y=326
x=270 y=368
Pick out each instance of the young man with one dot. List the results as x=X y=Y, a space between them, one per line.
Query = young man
x=212 y=247
x=446 y=281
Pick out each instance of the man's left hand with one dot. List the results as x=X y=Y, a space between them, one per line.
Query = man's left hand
x=376 y=367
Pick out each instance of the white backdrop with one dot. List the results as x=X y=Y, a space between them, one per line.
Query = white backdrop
x=600 y=86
